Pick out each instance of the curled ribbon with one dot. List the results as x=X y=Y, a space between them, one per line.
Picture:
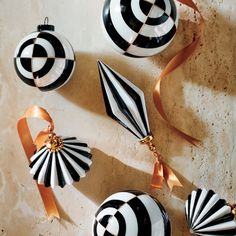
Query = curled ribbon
x=161 y=170
x=175 y=62
x=31 y=146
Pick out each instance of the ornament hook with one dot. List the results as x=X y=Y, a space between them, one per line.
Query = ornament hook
x=46 y=21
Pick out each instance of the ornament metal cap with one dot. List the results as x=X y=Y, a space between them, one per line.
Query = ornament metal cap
x=46 y=26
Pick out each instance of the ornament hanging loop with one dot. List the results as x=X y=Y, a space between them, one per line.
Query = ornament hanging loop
x=46 y=21
x=152 y=147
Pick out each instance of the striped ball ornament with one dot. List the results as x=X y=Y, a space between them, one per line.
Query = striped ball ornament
x=131 y=213
x=140 y=28
x=44 y=59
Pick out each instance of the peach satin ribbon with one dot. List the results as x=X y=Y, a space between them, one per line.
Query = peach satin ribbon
x=175 y=62
x=31 y=146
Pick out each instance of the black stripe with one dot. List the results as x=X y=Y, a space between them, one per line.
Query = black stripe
x=70 y=138
x=230 y=232
x=129 y=17
x=160 y=4
x=112 y=204
x=75 y=144
x=95 y=228
x=47 y=177
x=158 y=20
x=154 y=42
x=142 y=217
x=106 y=233
x=122 y=224
x=26 y=64
x=24 y=45
x=145 y=6
x=112 y=32
x=61 y=180
x=81 y=152
x=45 y=69
x=75 y=176
x=69 y=65
x=22 y=77
x=55 y=42
x=39 y=51
x=173 y=13
x=36 y=175
x=82 y=164
x=136 y=98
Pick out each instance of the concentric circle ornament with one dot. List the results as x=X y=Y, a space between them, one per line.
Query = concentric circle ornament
x=44 y=59
x=207 y=214
x=131 y=213
x=140 y=28
x=60 y=161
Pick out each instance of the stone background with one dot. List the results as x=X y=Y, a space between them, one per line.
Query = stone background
x=199 y=98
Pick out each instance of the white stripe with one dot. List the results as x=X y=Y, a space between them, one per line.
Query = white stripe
x=65 y=172
x=120 y=25
x=157 y=222
x=123 y=196
x=137 y=11
x=42 y=172
x=155 y=12
x=219 y=227
x=78 y=169
x=157 y=30
x=79 y=156
x=38 y=154
x=86 y=149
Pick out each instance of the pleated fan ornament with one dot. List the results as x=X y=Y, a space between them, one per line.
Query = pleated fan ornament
x=54 y=160
x=207 y=214
x=131 y=213
x=125 y=103
x=44 y=59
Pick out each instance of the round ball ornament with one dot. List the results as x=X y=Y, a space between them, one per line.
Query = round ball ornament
x=44 y=59
x=140 y=28
x=131 y=213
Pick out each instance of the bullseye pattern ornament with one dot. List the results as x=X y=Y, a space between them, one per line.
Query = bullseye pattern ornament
x=140 y=28
x=44 y=59
x=61 y=161
x=131 y=213
x=207 y=214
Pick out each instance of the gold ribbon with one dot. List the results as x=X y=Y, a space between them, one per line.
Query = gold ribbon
x=161 y=170
x=31 y=146
x=175 y=62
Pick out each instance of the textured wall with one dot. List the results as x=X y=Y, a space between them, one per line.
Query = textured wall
x=199 y=98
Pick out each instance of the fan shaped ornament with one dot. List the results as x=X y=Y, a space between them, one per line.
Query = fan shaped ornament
x=44 y=59
x=125 y=103
x=208 y=214
x=131 y=213
x=60 y=161
x=54 y=160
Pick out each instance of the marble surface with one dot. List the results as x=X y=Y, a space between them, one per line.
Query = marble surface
x=199 y=98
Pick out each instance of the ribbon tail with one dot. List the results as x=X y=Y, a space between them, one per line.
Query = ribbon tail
x=158 y=176
x=49 y=202
x=170 y=177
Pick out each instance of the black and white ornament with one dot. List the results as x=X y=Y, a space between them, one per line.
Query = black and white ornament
x=61 y=161
x=207 y=214
x=124 y=101
x=44 y=59
x=131 y=213
x=140 y=28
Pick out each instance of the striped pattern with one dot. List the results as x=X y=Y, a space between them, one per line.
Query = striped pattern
x=140 y=28
x=131 y=213
x=207 y=214
x=124 y=101
x=62 y=167
x=44 y=59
